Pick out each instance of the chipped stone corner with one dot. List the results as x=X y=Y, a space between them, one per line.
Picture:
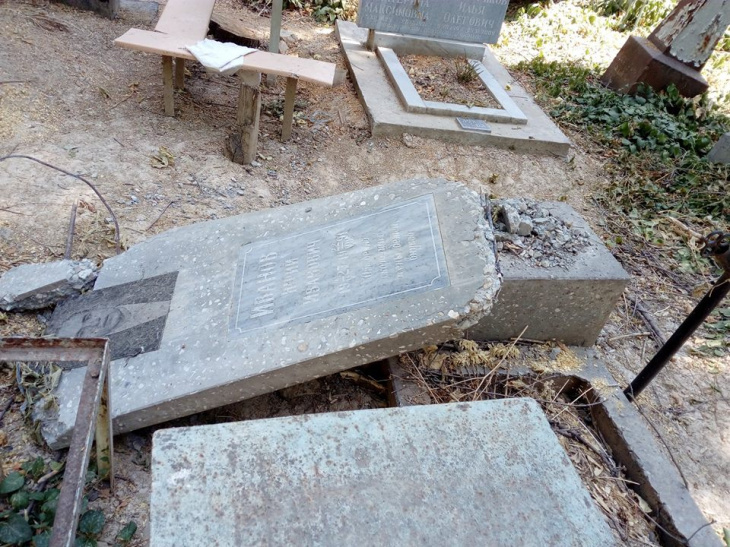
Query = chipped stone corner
x=483 y=300
x=38 y=286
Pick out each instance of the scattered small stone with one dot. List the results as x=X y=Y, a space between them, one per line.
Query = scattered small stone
x=526 y=229
x=409 y=141
x=255 y=163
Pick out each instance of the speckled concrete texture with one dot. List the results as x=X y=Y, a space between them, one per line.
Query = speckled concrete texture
x=569 y=304
x=278 y=297
x=482 y=473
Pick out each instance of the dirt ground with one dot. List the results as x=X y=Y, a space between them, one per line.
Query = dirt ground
x=70 y=98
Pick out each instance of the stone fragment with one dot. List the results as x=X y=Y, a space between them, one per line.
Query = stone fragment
x=720 y=153
x=524 y=228
x=37 y=286
x=511 y=218
x=481 y=473
x=254 y=303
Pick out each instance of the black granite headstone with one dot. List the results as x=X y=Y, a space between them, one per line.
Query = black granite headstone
x=131 y=315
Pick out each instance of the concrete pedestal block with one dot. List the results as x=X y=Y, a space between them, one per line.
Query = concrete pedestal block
x=569 y=305
x=640 y=61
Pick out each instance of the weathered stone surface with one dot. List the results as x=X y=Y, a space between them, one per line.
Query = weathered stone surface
x=467 y=21
x=482 y=473
x=132 y=315
x=692 y=30
x=640 y=61
x=37 y=286
x=273 y=298
x=720 y=153
x=570 y=303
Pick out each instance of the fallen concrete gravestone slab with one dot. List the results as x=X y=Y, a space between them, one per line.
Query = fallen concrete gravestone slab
x=254 y=303
x=482 y=473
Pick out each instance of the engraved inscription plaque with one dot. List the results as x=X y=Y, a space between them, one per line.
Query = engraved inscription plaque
x=474 y=125
x=378 y=256
x=478 y=21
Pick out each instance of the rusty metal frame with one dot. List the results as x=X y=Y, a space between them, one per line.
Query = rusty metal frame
x=93 y=419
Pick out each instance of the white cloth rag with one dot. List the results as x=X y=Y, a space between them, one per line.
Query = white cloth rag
x=223 y=57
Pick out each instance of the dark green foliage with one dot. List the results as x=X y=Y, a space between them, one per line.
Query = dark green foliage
x=28 y=501
x=661 y=138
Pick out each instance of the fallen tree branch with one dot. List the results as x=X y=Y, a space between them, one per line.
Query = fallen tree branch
x=82 y=179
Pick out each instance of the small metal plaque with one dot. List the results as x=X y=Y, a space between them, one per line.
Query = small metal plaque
x=381 y=255
x=474 y=124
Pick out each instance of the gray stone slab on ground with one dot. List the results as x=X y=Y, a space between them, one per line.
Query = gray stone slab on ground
x=570 y=304
x=277 y=297
x=37 y=286
x=474 y=21
x=389 y=118
x=482 y=473
x=720 y=153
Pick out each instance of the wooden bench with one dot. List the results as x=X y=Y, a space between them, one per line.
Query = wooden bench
x=184 y=23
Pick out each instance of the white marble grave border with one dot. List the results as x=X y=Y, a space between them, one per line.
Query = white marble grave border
x=409 y=96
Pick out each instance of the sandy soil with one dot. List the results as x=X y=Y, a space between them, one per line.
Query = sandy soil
x=69 y=97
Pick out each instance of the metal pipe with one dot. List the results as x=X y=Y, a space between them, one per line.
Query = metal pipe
x=717 y=245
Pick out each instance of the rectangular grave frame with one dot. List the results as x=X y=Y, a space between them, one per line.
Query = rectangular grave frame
x=93 y=420
x=412 y=101
x=440 y=263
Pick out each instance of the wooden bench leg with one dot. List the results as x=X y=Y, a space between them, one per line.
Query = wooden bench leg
x=242 y=144
x=179 y=73
x=289 y=98
x=168 y=91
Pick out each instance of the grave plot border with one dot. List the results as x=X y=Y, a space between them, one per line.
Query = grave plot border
x=412 y=101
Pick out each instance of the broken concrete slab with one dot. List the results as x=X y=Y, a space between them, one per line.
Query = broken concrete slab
x=389 y=118
x=569 y=302
x=481 y=473
x=273 y=298
x=38 y=286
x=720 y=153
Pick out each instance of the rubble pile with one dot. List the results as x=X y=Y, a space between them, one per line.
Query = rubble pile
x=528 y=229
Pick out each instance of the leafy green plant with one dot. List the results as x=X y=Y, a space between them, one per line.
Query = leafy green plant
x=660 y=140
x=28 y=499
x=634 y=13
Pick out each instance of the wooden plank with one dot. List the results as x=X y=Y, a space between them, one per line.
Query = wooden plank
x=307 y=70
x=155 y=42
x=167 y=82
x=180 y=73
x=289 y=98
x=187 y=18
x=243 y=142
